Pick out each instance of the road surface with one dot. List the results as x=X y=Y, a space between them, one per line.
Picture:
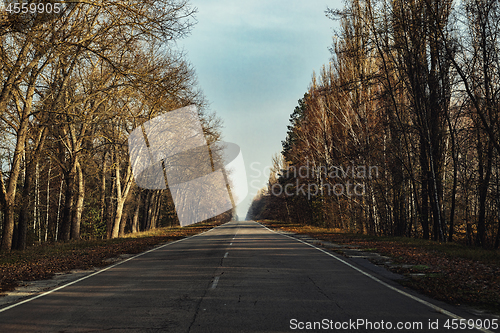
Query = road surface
x=238 y=277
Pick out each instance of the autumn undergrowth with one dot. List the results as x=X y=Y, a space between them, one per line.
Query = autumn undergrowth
x=450 y=272
x=43 y=261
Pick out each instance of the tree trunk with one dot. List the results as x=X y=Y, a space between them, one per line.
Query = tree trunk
x=123 y=224
x=424 y=213
x=110 y=207
x=67 y=212
x=25 y=213
x=135 y=220
x=121 y=196
x=483 y=193
x=57 y=228
x=156 y=215
x=454 y=155
x=78 y=209
x=9 y=193
x=103 y=190
x=118 y=217
x=47 y=205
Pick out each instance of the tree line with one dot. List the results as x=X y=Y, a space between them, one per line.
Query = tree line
x=412 y=88
x=74 y=84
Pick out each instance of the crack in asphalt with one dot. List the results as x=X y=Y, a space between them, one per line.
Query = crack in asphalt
x=319 y=289
x=209 y=287
x=324 y=294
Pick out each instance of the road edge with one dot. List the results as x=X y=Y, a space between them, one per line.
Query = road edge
x=385 y=284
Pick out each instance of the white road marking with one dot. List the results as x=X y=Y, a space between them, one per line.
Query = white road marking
x=415 y=298
x=216 y=280
x=98 y=272
x=234 y=236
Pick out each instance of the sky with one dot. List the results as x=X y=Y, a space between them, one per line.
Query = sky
x=254 y=60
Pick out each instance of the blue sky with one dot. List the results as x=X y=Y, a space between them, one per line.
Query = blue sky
x=254 y=59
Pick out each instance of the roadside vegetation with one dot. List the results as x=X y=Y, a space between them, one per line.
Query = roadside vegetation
x=73 y=86
x=400 y=134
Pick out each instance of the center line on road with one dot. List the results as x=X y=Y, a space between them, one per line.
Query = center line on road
x=214 y=285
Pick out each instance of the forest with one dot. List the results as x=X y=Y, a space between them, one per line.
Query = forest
x=411 y=93
x=74 y=83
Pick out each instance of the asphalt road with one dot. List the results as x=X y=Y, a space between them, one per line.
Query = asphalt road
x=239 y=277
